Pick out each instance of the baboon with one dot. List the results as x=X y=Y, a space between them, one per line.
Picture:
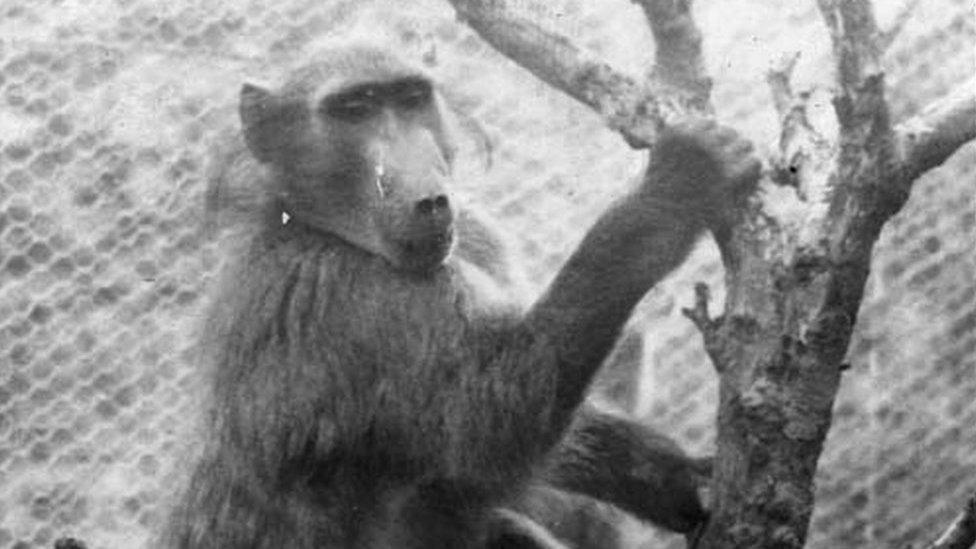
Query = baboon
x=375 y=382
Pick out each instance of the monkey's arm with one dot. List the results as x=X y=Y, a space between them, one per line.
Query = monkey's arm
x=693 y=173
x=617 y=460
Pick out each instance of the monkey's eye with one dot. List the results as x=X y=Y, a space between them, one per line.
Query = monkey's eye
x=353 y=106
x=410 y=94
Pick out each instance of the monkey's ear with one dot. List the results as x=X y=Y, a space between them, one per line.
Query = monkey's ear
x=267 y=121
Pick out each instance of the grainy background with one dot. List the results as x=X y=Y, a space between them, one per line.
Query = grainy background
x=108 y=109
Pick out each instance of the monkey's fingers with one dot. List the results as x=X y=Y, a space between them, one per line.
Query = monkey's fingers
x=735 y=154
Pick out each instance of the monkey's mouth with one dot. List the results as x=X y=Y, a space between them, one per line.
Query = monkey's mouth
x=427 y=252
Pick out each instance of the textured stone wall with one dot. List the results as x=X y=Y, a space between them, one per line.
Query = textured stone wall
x=108 y=111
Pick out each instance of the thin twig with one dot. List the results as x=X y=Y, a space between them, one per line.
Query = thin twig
x=708 y=326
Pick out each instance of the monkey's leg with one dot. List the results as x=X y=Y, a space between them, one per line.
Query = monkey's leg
x=606 y=459
x=617 y=460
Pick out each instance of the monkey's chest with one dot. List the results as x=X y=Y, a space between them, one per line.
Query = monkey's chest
x=385 y=365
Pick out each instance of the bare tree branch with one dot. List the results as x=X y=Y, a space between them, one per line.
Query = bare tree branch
x=854 y=35
x=635 y=110
x=678 y=62
x=961 y=534
x=887 y=37
x=925 y=141
x=863 y=194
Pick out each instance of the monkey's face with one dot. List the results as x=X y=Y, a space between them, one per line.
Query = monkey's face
x=368 y=161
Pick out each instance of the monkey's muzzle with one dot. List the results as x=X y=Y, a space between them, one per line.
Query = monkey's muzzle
x=425 y=253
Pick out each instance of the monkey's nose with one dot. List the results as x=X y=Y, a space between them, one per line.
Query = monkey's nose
x=437 y=205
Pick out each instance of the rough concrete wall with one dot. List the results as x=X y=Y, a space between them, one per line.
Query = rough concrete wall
x=108 y=110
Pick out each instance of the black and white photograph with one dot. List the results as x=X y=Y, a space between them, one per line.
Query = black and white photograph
x=487 y=274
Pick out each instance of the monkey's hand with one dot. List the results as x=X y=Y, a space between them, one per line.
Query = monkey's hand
x=703 y=170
